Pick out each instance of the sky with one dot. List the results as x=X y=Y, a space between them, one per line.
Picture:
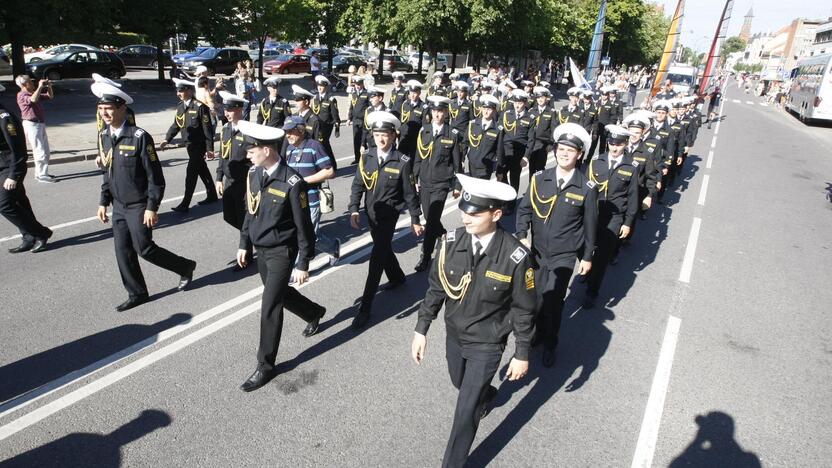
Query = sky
x=701 y=16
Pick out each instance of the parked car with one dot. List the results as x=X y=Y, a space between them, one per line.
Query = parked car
x=81 y=64
x=323 y=54
x=341 y=63
x=442 y=61
x=396 y=63
x=5 y=63
x=140 y=55
x=53 y=51
x=284 y=64
x=181 y=57
x=222 y=61
x=268 y=54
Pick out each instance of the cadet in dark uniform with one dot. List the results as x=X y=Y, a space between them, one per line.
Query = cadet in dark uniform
x=616 y=175
x=414 y=114
x=398 y=95
x=376 y=104
x=674 y=161
x=438 y=88
x=460 y=107
x=279 y=226
x=484 y=139
x=302 y=98
x=384 y=179
x=325 y=107
x=14 y=204
x=667 y=92
x=609 y=113
x=661 y=131
x=193 y=119
x=358 y=103
x=540 y=137
x=517 y=124
x=589 y=121
x=437 y=160
x=99 y=124
x=273 y=109
x=646 y=151
x=484 y=278
x=135 y=185
x=560 y=212
x=571 y=113
x=233 y=164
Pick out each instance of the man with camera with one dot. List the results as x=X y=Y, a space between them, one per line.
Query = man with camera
x=30 y=101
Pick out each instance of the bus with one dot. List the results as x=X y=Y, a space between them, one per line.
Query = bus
x=810 y=96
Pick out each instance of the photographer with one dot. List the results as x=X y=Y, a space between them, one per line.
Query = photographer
x=34 y=124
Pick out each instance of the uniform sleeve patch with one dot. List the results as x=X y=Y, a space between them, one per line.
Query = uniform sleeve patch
x=451 y=236
x=529 y=279
x=590 y=184
x=139 y=132
x=11 y=129
x=518 y=254
x=454 y=131
x=293 y=180
x=405 y=158
x=304 y=201
x=635 y=163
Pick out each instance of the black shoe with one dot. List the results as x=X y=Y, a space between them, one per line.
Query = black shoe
x=424 y=263
x=390 y=285
x=185 y=280
x=361 y=319
x=24 y=247
x=131 y=302
x=589 y=302
x=40 y=242
x=334 y=257
x=549 y=357
x=180 y=209
x=312 y=327
x=208 y=200
x=487 y=398
x=257 y=380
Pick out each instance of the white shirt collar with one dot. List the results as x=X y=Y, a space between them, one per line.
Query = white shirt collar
x=562 y=174
x=270 y=171
x=382 y=155
x=485 y=239
x=437 y=129
x=187 y=102
x=116 y=132
x=486 y=123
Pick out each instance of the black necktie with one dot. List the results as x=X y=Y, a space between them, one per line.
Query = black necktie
x=560 y=184
x=477 y=251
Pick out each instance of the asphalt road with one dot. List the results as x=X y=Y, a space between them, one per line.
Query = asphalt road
x=713 y=349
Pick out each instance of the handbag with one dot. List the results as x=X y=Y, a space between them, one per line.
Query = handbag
x=327 y=199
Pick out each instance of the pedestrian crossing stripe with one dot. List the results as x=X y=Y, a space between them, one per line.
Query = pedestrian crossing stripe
x=498 y=276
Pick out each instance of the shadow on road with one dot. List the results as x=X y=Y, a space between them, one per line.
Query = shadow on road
x=88 y=449
x=714 y=445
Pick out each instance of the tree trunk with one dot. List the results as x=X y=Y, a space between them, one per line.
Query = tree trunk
x=18 y=62
x=160 y=59
x=419 y=69
x=261 y=44
x=453 y=62
x=381 y=60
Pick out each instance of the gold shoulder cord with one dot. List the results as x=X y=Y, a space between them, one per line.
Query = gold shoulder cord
x=354 y=100
x=424 y=151
x=366 y=125
x=253 y=201
x=99 y=122
x=560 y=117
x=406 y=115
x=477 y=110
x=535 y=199
x=451 y=110
x=473 y=140
x=180 y=120
x=455 y=292
x=602 y=185
x=265 y=113
x=107 y=159
x=506 y=125
x=369 y=180
x=316 y=109
x=225 y=147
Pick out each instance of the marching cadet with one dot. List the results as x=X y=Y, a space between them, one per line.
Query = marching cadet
x=233 y=166
x=384 y=180
x=325 y=107
x=560 y=212
x=646 y=151
x=589 y=122
x=483 y=277
x=609 y=113
x=438 y=159
x=540 y=136
x=376 y=97
x=99 y=124
x=528 y=86
x=460 y=107
x=615 y=173
x=674 y=160
x=517 y=124
x=690 y=123
x=14 y=204
x=135 y=185
x=358 y=104
x=193 y=120
x=661 y=131
x=279 y=227
x=571 y=113
x=398 y=95
x=667 y=92
x=302 y=97
x=414 y=114
x=484 y=139
x=274 y=108
x=438 y=87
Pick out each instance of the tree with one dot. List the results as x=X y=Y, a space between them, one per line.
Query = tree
x=732 y=44
x=371 y=19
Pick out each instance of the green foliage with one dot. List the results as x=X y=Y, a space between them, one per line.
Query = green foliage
x=742 y=67
x=731 y=45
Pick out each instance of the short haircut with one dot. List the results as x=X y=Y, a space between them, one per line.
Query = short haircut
x=20 y=80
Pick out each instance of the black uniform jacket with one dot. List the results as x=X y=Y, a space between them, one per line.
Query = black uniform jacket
x=667 y=141
x=12 y=148
x=194 y=121
x=560 y=222
x=574 y=115
x=413 y=117
x=385 y=189
x=544 y=125
x=483 y=144
x=234 y=164
x=397 y=98
x=609 y=112
x=132 y=173
x=326 y=108
x=590 y=116
x=500 y=297
x=647 y=154
x=281 y=217
x=460 y=114
x=437 y=160
x=274 y=113
x=617 y=189
x=358 y=102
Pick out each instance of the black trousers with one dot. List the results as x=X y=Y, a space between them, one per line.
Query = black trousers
x=552 y=282
x=197 y=169
x=275 y=266
x=234 y=204
x=471 y=372
x=606 y=245
x=326 y=134
x=15 y=206
x=511 y=164
x=357 y=138
x=537 y=161
x=133 y=239
x=433 y=204
x=595 y=136
x=382 y=259
x=481 y=169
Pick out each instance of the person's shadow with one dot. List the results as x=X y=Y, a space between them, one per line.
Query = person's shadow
x=584 y=340
x=88 y=449
x=714 y=445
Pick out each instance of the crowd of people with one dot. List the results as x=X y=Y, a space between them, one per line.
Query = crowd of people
x=413 y=147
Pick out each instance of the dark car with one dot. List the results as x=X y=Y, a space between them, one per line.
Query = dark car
x=184 y=56
x=341 y=63
x=81 y=64
x=396 y=63
x=284 y=64
x=217 y=60
x=140 y=55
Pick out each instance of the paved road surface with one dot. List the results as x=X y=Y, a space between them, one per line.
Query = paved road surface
x=713 y=348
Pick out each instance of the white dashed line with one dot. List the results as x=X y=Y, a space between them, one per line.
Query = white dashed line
x=646 y=446
x=704 y=190
x=690 y=251
x=736 y=101
x=713 y=142
x=751 y=103
x=710 y=159
x=764 y=104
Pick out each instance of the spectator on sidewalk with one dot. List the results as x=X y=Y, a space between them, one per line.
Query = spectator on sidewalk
x=29 y=100
x=315 y=64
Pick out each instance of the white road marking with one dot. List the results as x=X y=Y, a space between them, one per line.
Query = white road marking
x=764 y=104
x=704 y=190
x=710 y=159
x=737 y=101
x=750 y=102
x=690 y=251
x=646 y=445
x=713 y=142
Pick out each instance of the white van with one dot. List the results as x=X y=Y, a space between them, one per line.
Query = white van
x=810 y=96
x=683 y=78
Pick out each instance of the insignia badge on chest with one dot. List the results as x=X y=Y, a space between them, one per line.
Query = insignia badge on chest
x=450 y=236
x=518 y=255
